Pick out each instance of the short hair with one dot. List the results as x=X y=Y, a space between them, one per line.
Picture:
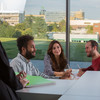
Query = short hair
x=22 y=41
x=93 y=43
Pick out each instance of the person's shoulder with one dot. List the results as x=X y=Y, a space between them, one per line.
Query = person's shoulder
x=47 y=56
x=15 y=60
x=98 y=58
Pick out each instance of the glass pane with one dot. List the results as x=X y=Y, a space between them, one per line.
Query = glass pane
x=52 y=14
x=84 y=26
x=43 y=19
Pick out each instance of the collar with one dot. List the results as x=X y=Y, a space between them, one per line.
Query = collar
x=22 y=57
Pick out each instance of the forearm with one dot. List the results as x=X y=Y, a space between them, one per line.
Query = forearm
x=59 y=73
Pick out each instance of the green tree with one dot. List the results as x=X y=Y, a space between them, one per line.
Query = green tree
x=17 y=33
x=89 y=29
x=20 y=26
x=3 y=26
x=29 y=20
x=50 y=28
x=6 y=30
x=62 y=26
x=27 y=31
x=39 y=27
x=55 y=27
x=9 y=31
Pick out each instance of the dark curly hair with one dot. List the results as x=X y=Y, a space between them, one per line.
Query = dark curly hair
x=62 y=58
x=23 y=40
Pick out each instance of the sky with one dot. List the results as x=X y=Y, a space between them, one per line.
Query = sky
x=12 y=5
x=89 y=7
x=34 y=6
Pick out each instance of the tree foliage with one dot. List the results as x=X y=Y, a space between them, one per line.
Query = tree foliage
x=32 y=25
x=89 y=29
x=35 y=26
x=62 y=26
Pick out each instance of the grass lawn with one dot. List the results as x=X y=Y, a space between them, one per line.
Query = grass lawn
x=77 y=50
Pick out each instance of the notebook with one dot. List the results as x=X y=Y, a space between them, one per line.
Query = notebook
x=37 y=81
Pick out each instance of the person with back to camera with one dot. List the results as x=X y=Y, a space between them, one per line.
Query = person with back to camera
x=55 y=61
x=9 y=82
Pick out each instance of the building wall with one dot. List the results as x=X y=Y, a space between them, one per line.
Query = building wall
x=83 y=37
x=77 y=15
x=82 y=23
x=54 y=16
x=74 y=37
x=12 y=18
x=96 y=28
x=41 y=16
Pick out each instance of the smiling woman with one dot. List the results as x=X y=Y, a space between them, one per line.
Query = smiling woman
x=55 y=62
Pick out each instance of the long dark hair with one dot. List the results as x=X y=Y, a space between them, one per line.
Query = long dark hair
x=62 y=59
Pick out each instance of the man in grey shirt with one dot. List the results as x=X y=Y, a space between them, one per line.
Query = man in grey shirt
x=27 y=51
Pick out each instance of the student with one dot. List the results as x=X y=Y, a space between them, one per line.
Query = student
x=91 y=49
x=27 y=51
x=55 y=61
x=8 y=80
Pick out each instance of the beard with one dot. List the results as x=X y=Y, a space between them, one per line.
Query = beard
x=91 y=54
x=29 y=55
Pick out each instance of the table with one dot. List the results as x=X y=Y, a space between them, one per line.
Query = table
x=48 y=92
x=86 y=88
x=73 y=97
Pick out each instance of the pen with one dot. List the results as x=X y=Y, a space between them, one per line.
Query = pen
x=78 y=66
x=68 y=66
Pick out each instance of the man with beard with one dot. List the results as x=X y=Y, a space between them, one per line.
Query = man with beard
x=91 y=49
x=27 y=51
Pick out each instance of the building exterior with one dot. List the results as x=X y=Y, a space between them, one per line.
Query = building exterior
x=96 y=28
x=79 y=24
x=42 y=12
x=54 y=16
x=77 y=15
x=12 y=18
x=83 y=37
x=73 y=37
x=41 y=16
x=57 y=35
x=13 y=13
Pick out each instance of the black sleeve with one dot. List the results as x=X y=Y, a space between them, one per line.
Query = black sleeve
x=7 y=74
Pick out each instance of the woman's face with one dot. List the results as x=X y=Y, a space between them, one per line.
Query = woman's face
x=56 y=50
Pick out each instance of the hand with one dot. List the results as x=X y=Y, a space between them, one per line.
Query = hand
x=22 y=75
x=80 y=73
x=24 y=82
x=67 y=74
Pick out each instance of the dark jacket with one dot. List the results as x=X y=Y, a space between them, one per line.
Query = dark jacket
x=7 y=75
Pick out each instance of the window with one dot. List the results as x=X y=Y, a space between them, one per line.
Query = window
x=84 y=23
